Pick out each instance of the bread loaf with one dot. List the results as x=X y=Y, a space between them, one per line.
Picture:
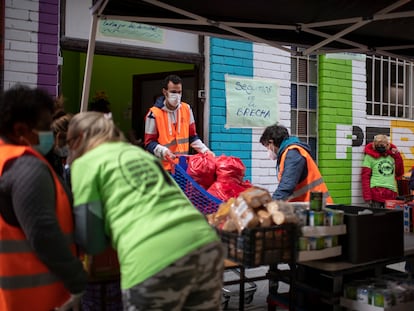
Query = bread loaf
x=243 y=215
x=265 y=218
x=256 y=196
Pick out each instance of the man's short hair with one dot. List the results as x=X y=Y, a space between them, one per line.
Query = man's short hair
x=173 y=78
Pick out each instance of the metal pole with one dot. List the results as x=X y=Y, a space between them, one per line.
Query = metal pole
x=89 y=64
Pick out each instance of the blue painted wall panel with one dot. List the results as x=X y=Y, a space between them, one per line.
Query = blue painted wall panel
x=234 y=58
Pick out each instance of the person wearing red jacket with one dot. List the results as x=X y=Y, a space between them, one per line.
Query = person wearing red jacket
x=381 y=167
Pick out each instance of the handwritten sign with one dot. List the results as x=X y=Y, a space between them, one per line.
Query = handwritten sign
x=346 y=56
x=131 y=30
x=251 y=102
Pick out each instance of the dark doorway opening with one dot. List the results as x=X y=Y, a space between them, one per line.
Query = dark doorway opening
x=147 y=88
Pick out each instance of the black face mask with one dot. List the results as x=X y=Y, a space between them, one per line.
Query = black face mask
x=381 y=149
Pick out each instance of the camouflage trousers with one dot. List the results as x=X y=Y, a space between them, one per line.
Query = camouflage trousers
x=193 y=282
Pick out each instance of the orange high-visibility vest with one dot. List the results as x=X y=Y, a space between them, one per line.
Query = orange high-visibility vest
x=25 y=282
x=312 y=182
x=173 y=136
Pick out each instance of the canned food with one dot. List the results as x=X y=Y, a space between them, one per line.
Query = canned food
x=316 y=200
x=303 y=244
x=350 y=290
x=303 y=217
x=362 y=294
x=316 y=218
x=333 y=217
x=328 y=241
x=316 y=243
x=382 y=298
x=338 y=218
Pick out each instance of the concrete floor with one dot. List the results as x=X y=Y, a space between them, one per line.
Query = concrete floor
x=260 y=295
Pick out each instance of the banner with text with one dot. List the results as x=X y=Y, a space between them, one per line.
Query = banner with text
x=251 y=102
x=131 y=30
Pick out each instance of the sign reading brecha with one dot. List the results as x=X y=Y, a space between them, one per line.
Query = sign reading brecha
x=251 y=102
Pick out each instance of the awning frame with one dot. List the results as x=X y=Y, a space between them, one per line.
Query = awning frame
x=235 y=30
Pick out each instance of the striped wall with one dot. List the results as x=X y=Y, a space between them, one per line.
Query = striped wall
x=274 y=64
x=48 y=45
x=343 y=126
x=235 y=58
x=251 y=60
x=31 y=43
x=334 y=121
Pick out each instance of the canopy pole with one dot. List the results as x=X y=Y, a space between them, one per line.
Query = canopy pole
x=89 y=64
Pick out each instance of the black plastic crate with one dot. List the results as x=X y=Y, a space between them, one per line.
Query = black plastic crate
x=371 y=237
x=262 y=246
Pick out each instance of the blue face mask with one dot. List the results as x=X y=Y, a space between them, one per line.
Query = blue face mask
x=46 y=142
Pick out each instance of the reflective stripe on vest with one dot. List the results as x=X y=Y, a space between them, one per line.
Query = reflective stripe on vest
x=174 y=143
x=25 y=282
x=178 y=140
x=23 y=246
x=312 y=182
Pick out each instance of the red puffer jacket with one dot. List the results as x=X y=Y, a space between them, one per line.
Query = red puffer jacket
x=380 y=194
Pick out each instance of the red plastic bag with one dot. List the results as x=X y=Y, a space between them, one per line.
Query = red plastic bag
x=202 y=168
x=229 y=169
x=225 y=190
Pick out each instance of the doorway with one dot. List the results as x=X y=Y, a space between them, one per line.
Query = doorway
x=147 y=88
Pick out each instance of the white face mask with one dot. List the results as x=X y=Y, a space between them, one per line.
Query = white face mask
x=174 y=99
x=271 y=154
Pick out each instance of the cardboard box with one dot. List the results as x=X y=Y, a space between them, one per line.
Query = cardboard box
x=374 y=236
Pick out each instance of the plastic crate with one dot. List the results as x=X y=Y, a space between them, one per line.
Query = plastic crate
x=262 y=246
x=201 y=199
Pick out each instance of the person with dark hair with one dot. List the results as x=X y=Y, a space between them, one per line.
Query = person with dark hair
x=57 y=156
x=38 y=267
x=298 y=174
x=100 y=103
x=170 y=128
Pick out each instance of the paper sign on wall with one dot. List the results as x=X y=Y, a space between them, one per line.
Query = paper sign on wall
x=251 y=102
x=131 y=30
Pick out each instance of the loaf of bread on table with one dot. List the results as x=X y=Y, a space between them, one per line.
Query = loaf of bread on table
x=256 y=196
x=243 y=215
x=282 y=212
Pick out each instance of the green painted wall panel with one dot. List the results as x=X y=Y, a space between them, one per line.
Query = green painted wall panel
x=335 y=107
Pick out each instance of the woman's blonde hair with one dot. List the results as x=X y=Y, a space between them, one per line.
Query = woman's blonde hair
x=95 y=129
x=381 y=139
